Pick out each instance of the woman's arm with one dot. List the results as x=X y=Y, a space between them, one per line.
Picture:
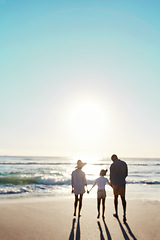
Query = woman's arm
x=72 y=183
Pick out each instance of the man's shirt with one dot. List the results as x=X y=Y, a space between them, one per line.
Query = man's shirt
x=118 y=172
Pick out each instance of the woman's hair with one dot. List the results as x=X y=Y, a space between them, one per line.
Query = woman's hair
x=103 y=172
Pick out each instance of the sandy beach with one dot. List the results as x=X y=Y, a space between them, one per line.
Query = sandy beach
x=52 y=218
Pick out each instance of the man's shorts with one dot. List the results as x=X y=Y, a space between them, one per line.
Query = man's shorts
x=119 y=190
x=101 y=194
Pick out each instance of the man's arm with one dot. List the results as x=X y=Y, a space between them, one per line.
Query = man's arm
x=111 y=175
x=126 y=170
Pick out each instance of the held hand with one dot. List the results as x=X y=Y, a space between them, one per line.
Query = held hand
x=87 y=191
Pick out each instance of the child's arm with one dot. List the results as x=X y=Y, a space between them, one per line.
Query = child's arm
x=109 y=183
x=88 y=191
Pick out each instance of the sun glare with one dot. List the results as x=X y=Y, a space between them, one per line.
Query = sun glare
x=87 y=121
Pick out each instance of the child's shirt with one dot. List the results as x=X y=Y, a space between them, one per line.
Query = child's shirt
x=101 y=182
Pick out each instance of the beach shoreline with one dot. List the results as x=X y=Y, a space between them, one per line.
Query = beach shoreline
x=52 y=218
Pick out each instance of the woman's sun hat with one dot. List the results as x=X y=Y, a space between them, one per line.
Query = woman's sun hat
x=80 y=164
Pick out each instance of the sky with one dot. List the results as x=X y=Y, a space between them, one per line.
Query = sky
x=80 y=78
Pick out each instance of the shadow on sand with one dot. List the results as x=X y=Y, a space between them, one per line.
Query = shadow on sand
x=125 y=235
x=130 y=232
x=107 y=230
x=76 y=234
x=72 y=233
x=101 y=232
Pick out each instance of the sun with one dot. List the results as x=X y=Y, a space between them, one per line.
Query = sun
x=87 y=121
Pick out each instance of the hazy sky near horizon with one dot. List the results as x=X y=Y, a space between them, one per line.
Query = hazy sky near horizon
x=80 y=78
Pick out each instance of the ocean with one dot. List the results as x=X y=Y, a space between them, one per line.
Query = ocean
x=22 y=177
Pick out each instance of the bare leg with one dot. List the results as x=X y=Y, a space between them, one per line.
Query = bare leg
x=116 y=205
x=124 y=208
x=75 y=204
x=103 y=204
x=98 y=206
x=80 y=204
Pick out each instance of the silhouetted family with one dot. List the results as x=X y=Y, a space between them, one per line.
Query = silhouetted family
x=118 y=174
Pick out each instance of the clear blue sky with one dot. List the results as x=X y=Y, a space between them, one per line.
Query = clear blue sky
x=80 y=77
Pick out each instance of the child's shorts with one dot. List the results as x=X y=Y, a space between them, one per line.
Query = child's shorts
x=101 y=194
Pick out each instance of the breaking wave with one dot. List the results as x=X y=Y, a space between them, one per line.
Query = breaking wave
x=17 y=180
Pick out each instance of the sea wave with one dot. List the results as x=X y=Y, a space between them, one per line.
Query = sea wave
x=143 y=182
x=35 y=163
x=71 y=164
x=12 y=190
x=57 y=163
x=18 y=180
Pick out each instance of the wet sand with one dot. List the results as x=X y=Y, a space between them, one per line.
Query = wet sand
x=52 y=218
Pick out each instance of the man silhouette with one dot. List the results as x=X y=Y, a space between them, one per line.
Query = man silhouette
x=118 y=174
